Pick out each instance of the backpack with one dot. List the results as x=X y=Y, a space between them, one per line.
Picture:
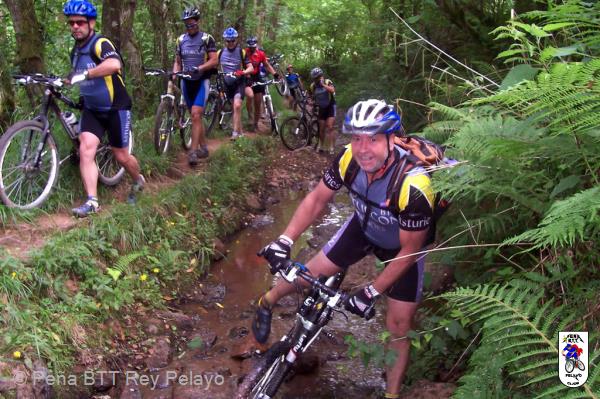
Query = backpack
x=97 y=59
x=420 y=153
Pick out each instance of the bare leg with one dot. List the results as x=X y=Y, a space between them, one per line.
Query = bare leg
x=197 y=127
x=399 y=321
x=330 y=134
x=321 y=134
x=258 y=99
x=88 y=144
x=237 y=114
x=128 y=161
x=249 y=101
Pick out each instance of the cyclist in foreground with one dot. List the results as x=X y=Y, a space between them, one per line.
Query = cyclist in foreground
x=196 y=51
x=254 y=95
x=393 y=233
x=234 y=62
x=106 y=105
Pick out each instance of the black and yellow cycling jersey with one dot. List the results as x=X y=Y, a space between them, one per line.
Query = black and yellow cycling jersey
x=380 y=222
x=104 y=93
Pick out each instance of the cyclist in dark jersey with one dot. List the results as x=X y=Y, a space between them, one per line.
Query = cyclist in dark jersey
x=196 y=51
x=234 y=60
x=393 y=236
x=106 y=104
x=254 y=95
x=323 y=93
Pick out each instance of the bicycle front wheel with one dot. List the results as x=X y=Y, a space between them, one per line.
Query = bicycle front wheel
x=110 y=172
x=185 y=127
x=294 y=133
x=28 y=167
x=210 y=112
x=281 y=86
x=268 y=375
x=163 y=127
x=271 y=113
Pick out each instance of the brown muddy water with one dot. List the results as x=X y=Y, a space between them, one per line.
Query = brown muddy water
x=200 y=364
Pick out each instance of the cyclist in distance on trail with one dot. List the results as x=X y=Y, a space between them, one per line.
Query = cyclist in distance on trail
x=294 y=83
x=233 y=60
x=97 y=69
x=323 y=94
x=255 y=94
x=392 y=227
x=195 y=52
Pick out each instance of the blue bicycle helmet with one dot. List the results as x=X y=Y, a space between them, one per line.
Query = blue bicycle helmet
x=252 y=41
x=230 y=34
x=80 y=7
x=191 y=12
x=371 y=117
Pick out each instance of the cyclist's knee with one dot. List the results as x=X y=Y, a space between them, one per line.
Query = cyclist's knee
x=196 y=114
x=121 y=155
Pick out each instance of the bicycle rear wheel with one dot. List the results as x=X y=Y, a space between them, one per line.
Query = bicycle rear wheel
x=25 y=179
x=163 y=126
x=185 y=127
x=314 y=134
x=211 y=110
x=110 y=172
x=294 y=133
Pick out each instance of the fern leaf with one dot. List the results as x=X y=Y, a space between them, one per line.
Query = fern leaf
x=532 y=353
x=124 y=261
x=536 y=365
x=551 y=392
x=542 y=378
x=527 y=342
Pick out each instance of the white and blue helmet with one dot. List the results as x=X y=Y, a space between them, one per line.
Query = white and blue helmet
x=372 y=117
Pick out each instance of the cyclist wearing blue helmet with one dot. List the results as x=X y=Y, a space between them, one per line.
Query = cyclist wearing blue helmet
x=234 y=62
x=195 y=51
x=322 y=92
x=393 y=214
x=106 y=104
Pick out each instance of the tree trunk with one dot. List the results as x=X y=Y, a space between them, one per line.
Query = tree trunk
x=163 y=50
x=29 y=36
x=259 y=6
x=220 y=22
x=117 y=25
x=7 y=97
x=274 y=19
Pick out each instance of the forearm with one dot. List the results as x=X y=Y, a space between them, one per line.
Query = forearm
x=105 y=68
x=309 y=209
x=209 y=64
x=177 y=65
x=249 y=69
x=392 y=272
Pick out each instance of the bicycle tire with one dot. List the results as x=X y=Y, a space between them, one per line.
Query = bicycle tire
x=314 y=134
x=569 y=366
x=226 y=115
x=185 y=127
x=31 y=132
x=281 y=86
x=271 y=113
x=163 y=126
x=268 y=374
x=210 y=112
x=294 y=133
x=110 y=172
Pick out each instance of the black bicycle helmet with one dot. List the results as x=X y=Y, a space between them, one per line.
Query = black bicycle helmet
x=316 y=73
x=190 y=12
x=252 y=41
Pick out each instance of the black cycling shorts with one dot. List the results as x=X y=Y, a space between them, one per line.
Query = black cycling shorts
x=235 y=87
x=349 y=245
x=256 y=79
x=327 y=112
x=116 y=122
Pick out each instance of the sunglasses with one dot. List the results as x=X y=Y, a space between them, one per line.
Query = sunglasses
x=191 y=26
x=77 y=22
x=230 y=41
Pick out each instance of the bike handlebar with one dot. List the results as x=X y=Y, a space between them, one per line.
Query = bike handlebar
x=268 y=82
x=162 y=72
x=47 y=80
x=293 y=270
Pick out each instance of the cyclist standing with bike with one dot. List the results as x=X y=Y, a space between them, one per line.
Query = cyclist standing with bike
x=323 y=93
x=235 y=65
x=295 y=85
x=254 y=94
x=394 y=232
x=106 y=105
x=196 y=51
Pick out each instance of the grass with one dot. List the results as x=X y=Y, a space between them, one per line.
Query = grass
x=134 y=255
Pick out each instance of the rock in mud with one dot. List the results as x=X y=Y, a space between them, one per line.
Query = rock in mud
x=182 y=321
x=218 y=250
x=202 y=340
x=153 y=326
x=262 y=220
x=160 y=354
x=130 y=392
x=254 y=203
x=238 y=332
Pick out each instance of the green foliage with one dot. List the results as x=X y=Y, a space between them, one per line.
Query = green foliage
x=523 y=327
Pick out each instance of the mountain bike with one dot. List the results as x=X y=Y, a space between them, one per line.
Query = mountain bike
x=268 y=103
x=29 y=156
x=218 y=106
x=281 y=85
x=313 y=314
x=302 y=130
x=170 y=117
x=571 y=363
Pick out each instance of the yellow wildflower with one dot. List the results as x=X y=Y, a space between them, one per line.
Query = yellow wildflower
x=17 y=354
x=144 y=277
x=156 y=270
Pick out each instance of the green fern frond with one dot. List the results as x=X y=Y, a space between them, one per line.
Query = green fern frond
x=511 y=325
x=124 y=261
x=450 y=113
x=551 y=392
